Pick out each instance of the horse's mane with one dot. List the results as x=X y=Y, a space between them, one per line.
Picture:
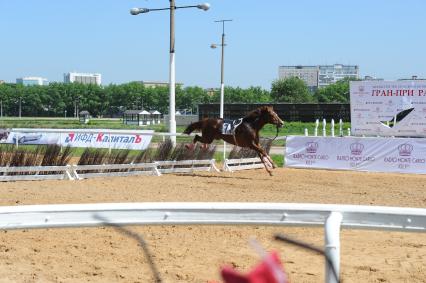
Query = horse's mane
x=253 y=115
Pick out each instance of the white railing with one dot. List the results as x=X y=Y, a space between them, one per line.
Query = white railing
x=231 y=165
x=105 y=131
x=31 y=173
x=95 y=171
x=332 y=217
x=186 y=166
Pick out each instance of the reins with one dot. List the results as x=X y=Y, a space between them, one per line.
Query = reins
x=276 y=135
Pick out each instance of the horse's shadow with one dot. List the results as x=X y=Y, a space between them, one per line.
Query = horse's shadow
x=217 y=177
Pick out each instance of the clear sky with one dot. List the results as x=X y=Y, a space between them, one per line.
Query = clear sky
x=47 y=38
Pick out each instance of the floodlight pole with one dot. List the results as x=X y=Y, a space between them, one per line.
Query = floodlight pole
x=222 y=63
x=222 y=82
x=172 y=75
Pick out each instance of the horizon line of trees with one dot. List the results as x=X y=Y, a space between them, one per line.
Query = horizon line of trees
x=63 y=99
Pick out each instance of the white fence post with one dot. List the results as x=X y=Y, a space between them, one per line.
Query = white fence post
x=109 y=143
x=316 y=127
x=60 y=141
x=324 y=130
x=341 y=128
x=332 y=127
x=332 y=247
x=306 y=132
x=349 y=131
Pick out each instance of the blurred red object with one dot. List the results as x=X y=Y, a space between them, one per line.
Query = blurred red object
x=269 y=270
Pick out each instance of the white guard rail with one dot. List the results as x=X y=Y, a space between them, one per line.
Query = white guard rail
x=332 y=217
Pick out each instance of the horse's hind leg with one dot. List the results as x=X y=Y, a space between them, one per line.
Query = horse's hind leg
x=201 y=139
x=194 y=141
x=205 y=138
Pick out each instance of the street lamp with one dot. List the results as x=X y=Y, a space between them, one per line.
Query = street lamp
x=222 y=84
x=76 y=105
x=172 y=79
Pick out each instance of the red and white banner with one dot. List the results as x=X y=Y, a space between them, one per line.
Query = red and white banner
x=402 y=155
x=388 y=108
x=91 y=138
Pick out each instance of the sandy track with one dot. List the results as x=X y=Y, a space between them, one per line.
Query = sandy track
x=194 y=253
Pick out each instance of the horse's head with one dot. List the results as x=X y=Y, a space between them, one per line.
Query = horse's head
x=268 y=113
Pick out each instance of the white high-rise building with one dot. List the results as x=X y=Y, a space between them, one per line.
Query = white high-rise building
x=83 y=78
x=309 y=74
x=329 y=74
x=319 y=75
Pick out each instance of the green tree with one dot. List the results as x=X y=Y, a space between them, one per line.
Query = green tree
x=240 y=95
x=190 y=97
x=292 y=90
x=337 y=92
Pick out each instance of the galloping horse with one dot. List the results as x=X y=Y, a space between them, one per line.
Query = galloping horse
x=245 y=135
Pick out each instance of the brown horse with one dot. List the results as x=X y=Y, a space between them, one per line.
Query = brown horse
x=245 y=135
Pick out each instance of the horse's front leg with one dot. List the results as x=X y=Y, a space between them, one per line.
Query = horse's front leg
x=270 y=161
x=261 y=150
x=265 y=163
x=263 y=157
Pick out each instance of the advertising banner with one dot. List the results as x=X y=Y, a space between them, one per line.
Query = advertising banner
x=388 y=108
x=401 y=155
x=95 y=139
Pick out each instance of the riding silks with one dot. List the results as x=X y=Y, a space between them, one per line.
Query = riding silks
x=269 y=270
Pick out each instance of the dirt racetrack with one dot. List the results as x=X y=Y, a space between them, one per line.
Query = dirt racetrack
x=195 y=253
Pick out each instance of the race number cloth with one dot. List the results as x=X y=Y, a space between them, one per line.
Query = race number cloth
x=402 y=155
x=388 y=108
x=97 y=139
x=229 y=126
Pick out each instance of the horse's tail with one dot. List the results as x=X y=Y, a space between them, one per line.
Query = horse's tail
x=193 y=126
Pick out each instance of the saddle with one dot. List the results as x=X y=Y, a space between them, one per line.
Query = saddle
x=229 y=126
